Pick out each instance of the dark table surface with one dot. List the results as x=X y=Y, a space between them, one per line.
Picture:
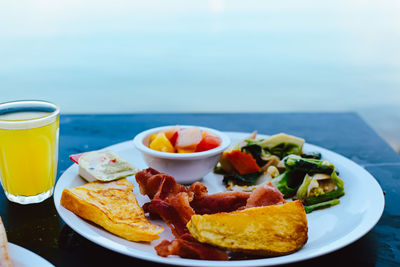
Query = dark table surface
x=39 y=228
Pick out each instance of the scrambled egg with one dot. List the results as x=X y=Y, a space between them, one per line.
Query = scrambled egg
x=266 y=231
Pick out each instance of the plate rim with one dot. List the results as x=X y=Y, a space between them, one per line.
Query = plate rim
x=14 y=249
x=356 y=233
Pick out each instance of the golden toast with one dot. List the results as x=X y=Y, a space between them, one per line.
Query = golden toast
x=265 y=231
x=113 y=206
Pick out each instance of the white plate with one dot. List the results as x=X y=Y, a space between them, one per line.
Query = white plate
x=21 y=257
x=329 y=229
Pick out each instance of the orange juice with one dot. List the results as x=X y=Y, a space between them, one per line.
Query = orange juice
x=28 y=154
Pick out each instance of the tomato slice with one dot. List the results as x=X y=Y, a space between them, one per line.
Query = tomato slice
x=208 y=142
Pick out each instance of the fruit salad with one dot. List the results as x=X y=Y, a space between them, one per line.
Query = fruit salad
x=183 y=140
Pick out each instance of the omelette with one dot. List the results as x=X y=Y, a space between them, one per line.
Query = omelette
x=113 y=206
x=265 y=231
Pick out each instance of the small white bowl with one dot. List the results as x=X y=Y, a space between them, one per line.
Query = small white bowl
x=184 y=167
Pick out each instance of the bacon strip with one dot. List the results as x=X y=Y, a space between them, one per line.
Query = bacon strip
x=176 y=204
x=143 y=176
x=158 y=185
x=198 y=190
x=265 y=195
x=188 y=247
x=221 y=202
x=184 y=245
x=170 y=215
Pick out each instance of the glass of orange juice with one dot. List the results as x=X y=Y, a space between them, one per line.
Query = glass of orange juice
x=28 y=150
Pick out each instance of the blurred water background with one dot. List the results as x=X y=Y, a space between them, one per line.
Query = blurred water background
x=98 y=56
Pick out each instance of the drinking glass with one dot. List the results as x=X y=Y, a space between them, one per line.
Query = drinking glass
x=28 y=150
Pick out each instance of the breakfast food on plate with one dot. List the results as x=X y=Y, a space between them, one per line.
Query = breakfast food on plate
x=179 y=206
x=266 y=231
x=280 y=159
x=113 y=206
x=183 y=140
x=4 y=256
x=103 y=165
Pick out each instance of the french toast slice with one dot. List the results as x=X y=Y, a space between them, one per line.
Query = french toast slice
x=264 y=231
x=113 y=206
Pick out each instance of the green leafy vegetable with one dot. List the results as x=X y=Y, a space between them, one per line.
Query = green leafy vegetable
x=311 y=155
x=304 y=176
x=219 y=170
x=282 y=182
x=321 y=205
x=282 y=145
x=303 y=189
x=338 y=192
x=309 y=166
x=245 y=179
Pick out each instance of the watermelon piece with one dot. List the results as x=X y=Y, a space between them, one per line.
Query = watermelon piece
x=208 y=142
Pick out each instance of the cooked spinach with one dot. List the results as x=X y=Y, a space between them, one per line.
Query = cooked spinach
x=245 y=179
x=311 y=155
